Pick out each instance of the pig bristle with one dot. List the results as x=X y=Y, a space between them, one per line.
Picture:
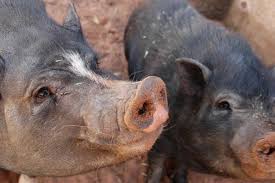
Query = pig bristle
x=79 y=68
x=146 y=53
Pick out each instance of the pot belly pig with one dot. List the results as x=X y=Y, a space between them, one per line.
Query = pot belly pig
x=221 y=97
x=60 y=114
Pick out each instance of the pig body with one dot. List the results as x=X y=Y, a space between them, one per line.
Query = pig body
x=60 y=114
x=220 y=95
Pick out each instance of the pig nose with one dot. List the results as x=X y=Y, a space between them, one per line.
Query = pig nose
x=148 y=110
x=264 y=153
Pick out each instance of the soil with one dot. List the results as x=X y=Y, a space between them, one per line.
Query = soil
x=103 y=23
x=255 y=21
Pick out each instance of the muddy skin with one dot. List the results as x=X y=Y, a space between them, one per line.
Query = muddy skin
x=60 y=114
x=221 y=97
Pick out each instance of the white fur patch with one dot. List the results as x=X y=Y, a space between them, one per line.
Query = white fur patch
x=79 y=68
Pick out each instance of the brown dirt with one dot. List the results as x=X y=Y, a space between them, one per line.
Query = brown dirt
x=103 y=23
x=255 y=21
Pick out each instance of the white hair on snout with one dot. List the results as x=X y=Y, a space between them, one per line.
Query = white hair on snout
x=79 y=68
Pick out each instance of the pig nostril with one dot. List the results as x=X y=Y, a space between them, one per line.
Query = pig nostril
x=162 y=95
x=270 y=151
x=143 y=109
x=146 y=109
x=264 y=150
x=267 y=150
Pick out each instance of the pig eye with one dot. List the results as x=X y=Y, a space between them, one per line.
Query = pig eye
x=42 y=94
x=223 y=105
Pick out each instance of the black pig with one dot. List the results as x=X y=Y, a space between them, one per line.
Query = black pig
x=60 y=114
x=221 y=97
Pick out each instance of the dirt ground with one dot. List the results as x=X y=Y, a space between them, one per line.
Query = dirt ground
x=103 y=23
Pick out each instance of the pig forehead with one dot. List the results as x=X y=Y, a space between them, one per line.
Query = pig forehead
x=248 y=81
x=249 y=88
x=29 y=48
x=26 y=37
x=18 y=70
x=259 y=97
x=20 y=74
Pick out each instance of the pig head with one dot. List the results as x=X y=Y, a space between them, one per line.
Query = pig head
x=231 y=133
x=59 y=113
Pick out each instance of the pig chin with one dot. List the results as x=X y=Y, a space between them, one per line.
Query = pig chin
x=116 y=149
x=123 y=144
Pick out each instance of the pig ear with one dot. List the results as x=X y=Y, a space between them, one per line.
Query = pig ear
x=72 y=21
x=193 y=74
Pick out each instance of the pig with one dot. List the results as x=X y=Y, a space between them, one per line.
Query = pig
x=221 y=97
x=60 y=113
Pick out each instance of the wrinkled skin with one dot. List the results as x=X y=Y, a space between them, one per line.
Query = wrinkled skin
x=221 y=97
x=61 y=115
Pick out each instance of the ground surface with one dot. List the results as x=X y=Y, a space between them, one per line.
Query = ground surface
x=103 y=22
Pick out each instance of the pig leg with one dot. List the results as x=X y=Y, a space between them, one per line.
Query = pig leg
x=163 y=150
x=156 y=167
x=180 y=175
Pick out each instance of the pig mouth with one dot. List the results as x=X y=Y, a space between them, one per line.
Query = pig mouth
x=120 y=149
x=108 y=141
x=140 y=145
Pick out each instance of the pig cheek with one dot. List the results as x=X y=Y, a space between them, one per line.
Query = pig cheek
x=16 y=116
x=100 y=122
x=21 y=132
x=42 y=110
x=241 y=145
x=28 y=128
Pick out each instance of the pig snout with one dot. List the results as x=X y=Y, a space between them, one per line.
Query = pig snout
x=264 y=153
x=148 y=110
